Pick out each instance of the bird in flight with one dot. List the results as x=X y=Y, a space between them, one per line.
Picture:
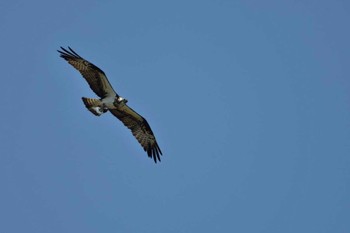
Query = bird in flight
x=111 y=101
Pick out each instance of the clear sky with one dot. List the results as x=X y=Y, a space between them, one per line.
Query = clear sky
x=249 y=101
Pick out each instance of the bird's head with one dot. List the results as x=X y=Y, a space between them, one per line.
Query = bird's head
x=120 y=100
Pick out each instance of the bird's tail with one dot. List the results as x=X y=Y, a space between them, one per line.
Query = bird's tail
x=95 y=106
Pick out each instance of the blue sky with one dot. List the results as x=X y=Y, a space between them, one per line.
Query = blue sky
x=249 y=101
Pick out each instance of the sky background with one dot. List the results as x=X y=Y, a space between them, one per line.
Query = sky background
x=249 y=101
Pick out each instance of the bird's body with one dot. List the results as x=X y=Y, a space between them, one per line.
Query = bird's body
x=111 y=101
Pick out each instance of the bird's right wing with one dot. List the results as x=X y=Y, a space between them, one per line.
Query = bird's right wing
x=95 y=77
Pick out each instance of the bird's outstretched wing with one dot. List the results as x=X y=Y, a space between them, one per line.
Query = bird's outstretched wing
x=140 y=129
x=95 y=77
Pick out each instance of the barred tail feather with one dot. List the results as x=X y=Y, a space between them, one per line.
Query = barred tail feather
x=94 y=105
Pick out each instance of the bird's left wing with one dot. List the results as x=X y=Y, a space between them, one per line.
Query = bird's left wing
x=95 y=77
x=140 y=129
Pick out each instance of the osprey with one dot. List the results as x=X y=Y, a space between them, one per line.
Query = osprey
x=111 y=101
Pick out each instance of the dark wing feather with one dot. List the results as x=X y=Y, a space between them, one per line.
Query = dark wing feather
x=140 y=129
x=95 y=77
